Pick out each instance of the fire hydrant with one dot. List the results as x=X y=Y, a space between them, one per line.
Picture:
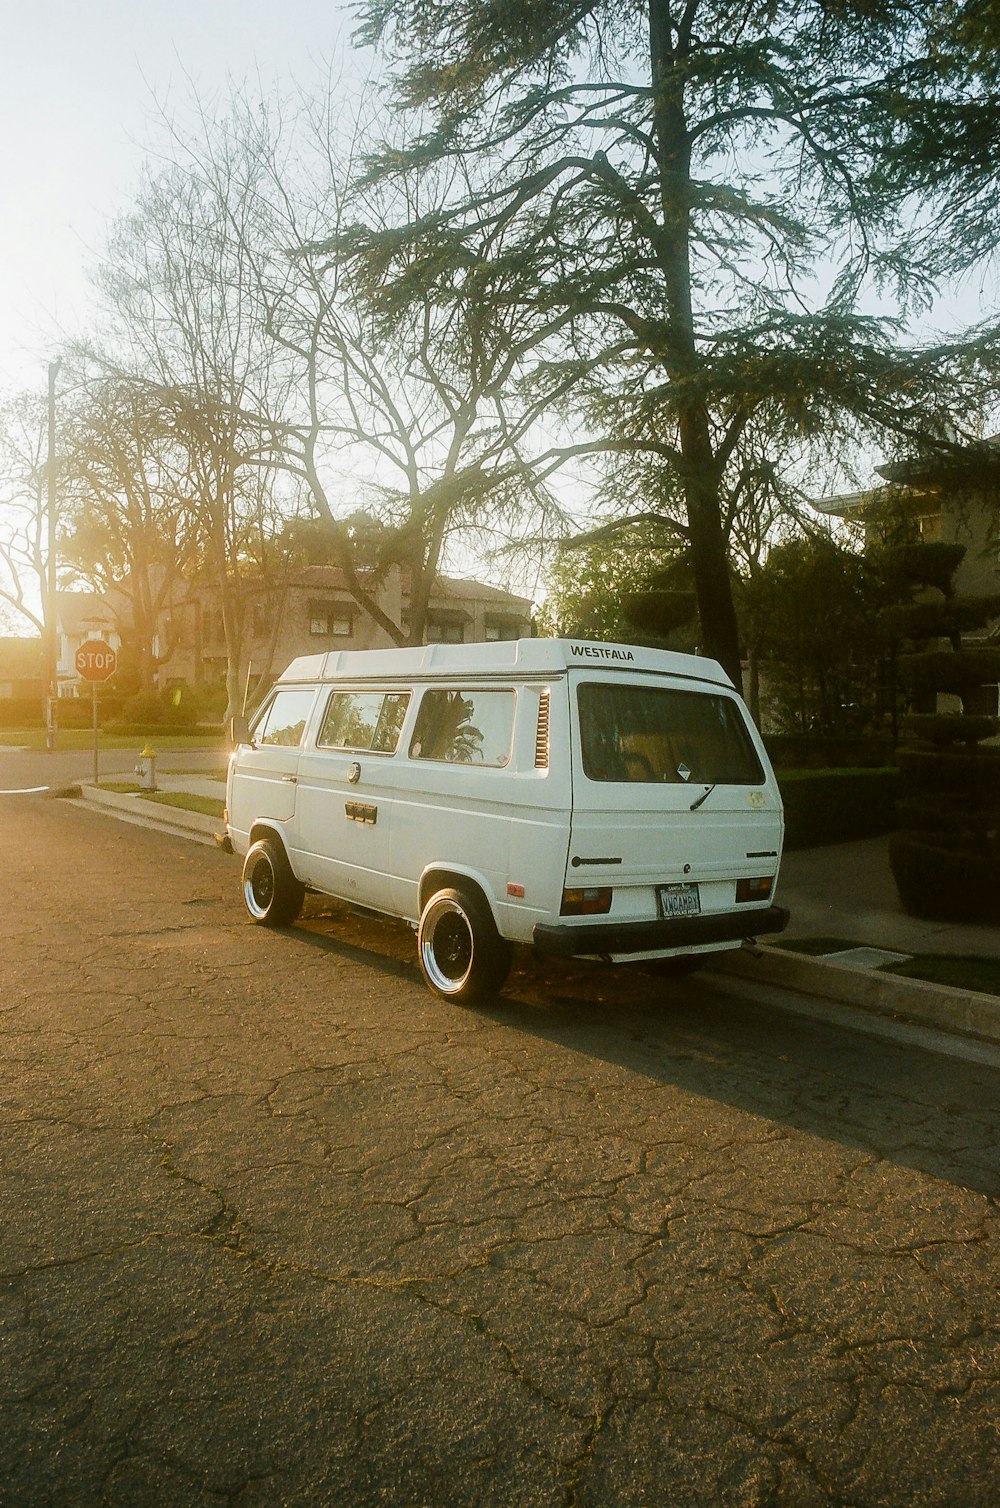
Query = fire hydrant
x=146 y=769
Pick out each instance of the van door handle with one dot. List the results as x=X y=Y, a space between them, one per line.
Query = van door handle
x=290 y=779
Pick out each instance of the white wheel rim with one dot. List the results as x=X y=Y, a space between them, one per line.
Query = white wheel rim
x=252 y=889
x=447 y=946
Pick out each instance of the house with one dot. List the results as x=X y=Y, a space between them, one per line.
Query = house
x=955 y=500
x=21 y=669
x=303 y=612
x=81 y=616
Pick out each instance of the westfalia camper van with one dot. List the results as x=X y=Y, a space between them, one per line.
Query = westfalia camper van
x=594 y=800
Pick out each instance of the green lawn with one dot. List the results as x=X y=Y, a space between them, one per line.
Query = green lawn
x=958 y=973
x=208 y=806
x=965 y=972
x=71 y=739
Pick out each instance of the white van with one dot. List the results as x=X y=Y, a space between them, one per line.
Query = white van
x=595 y=800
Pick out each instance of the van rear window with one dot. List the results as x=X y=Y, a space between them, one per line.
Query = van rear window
x=464 y=727
x=661 y=734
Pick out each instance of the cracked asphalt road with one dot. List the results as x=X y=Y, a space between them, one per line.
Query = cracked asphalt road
x=279 y=1227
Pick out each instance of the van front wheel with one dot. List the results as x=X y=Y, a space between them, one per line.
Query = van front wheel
x=271 y=893
x=462 y=955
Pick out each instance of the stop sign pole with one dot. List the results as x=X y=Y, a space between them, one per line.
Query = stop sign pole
x=96 y=661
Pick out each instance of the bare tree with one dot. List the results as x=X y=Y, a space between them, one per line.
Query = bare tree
x=128 y=527
x=23 y=518
x=181 y=324
x=409 y=410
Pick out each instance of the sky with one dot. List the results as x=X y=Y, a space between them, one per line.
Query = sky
x=80 y=84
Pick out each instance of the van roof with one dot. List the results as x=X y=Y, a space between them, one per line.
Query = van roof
x=502 y=657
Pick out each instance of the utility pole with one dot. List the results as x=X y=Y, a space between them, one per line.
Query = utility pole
x=52 y=642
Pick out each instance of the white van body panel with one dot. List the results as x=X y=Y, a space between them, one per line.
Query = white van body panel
x=386 y=828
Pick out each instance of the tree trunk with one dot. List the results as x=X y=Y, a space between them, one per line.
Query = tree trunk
x=709 y=559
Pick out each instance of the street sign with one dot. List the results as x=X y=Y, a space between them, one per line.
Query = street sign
x=96 y=660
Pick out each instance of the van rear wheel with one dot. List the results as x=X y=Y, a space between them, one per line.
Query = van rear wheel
x=462 y=955
x=271 y=893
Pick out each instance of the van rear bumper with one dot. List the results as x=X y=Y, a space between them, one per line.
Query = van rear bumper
x=569 y=939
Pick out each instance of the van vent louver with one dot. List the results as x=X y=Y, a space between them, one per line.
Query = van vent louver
x=542 y=733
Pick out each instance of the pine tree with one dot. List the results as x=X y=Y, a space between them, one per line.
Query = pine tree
x=691 y=198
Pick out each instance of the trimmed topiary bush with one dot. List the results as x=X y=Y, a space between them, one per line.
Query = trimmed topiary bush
x=837 y=806
x=818 y=751
x=946 y=860
x=942 y=883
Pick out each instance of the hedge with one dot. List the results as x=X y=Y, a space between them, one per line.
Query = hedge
x=945 y=884
x=72 y=712
x=814 y=751
x=837 y=806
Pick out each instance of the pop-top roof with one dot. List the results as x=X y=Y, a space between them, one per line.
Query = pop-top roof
x=543 y=657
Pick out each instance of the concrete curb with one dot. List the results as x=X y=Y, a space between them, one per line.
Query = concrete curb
x=964 y=1013
x=142 y=813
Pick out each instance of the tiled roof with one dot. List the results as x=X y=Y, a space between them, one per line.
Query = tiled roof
x=844 y=504
x=480 y=591
x=331 y=578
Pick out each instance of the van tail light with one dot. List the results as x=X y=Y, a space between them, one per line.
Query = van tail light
x=585 y=903
x=754 y=890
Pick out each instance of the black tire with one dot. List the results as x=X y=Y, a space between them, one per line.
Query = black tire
x=462 y=955
x=271 y=893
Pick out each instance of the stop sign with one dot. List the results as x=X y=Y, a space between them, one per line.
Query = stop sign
x=96 y=660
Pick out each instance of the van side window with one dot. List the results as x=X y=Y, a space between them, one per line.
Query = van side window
x=642 y=734
x=369 y=720
x=464 y=727
x=284 y=720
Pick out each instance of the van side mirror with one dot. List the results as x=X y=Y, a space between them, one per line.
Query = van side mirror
x=239 y=730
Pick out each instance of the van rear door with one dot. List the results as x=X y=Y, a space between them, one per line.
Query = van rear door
x=674 y=800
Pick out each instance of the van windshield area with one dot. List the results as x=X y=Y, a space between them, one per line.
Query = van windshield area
x=664 y=735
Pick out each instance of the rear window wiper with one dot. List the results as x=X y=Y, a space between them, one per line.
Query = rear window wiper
x=703 y=797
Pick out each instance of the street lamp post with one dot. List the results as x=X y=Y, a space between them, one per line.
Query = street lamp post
x=52 y=642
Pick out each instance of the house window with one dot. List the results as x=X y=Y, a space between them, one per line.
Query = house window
x=929 y=526
x=445 y=631
x=330 y=620
x=496 y=629
x=214 y=626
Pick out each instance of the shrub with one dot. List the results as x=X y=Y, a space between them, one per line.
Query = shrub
x=837 y=806
x=942 y=728
x=169 y=708
x=945 y=884
x=950 y=671
x=21 y=712
x=973 y=776
x=810 y=751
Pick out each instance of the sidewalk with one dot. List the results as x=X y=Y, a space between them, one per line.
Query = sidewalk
x=846 y=891
x=843 y=891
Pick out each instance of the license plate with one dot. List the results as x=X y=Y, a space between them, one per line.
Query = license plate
x=678 y=900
